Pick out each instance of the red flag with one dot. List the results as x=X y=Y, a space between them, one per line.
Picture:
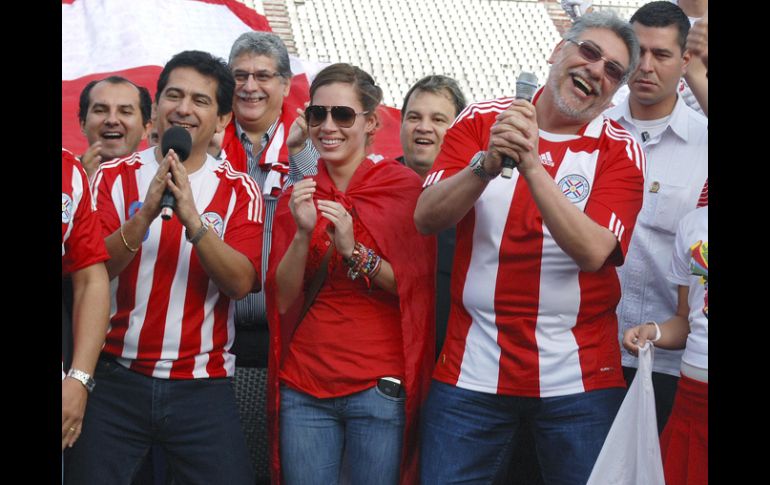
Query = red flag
x=135 y=39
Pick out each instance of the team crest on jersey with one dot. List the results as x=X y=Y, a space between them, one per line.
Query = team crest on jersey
x=66 y=208
x=214 y=220
x=133 y=208
x=574 y=187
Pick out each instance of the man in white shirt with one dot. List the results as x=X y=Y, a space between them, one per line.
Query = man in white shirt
x=675 y=142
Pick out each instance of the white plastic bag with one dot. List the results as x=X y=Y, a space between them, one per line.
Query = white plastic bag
x=631 y=452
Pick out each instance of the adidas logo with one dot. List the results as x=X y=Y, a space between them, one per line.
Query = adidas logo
x=546 y=159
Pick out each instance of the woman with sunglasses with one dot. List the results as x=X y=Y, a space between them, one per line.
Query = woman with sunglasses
x=351 y=285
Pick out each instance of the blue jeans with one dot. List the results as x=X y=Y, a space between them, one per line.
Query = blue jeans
x=351 y=439
x=195 y=421
x=468 y=436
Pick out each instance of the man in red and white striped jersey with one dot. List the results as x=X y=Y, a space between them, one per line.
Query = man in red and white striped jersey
x=532 y=333
x=83 y=255
x=165 y=369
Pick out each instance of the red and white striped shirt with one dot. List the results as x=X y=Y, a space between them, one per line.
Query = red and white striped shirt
x=525 y=320
x=81 y=231
x=167 y=318
x=703 y=199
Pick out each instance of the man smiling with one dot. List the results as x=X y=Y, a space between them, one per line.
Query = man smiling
x=532 y=334
x=165 y=369
x=268 y=140
x=429 y=108
x=114 y=116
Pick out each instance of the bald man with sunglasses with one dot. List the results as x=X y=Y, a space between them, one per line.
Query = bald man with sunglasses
x=532 y=332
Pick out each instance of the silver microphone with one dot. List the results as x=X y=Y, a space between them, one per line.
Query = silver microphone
x=576 y=12
x=526 y=85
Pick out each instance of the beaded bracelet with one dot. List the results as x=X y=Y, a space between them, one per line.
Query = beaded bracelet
x=364 y=262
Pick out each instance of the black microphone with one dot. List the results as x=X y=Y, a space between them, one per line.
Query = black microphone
x=180 y=140
x=526 y=85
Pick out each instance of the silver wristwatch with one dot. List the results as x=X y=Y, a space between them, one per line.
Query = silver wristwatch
x=198 y=234
x=83 y=377
x=477 y=167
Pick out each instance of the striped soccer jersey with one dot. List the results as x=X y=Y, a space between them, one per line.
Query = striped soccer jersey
x=167 y=318
x=524 y=320
x=81 y=231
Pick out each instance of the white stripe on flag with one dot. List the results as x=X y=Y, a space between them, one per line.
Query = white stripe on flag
x=106 y=36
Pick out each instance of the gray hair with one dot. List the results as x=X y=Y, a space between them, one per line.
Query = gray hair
x=607 y=19
x=264 y=44
x=437 y=84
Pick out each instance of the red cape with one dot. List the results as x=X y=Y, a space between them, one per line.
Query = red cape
x=384 y=196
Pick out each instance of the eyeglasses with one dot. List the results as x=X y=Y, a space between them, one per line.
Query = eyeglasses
x=242 y=77
x=590 y=52
x=343 y=116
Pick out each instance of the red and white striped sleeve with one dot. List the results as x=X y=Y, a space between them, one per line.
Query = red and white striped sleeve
x=468 y=135
x=82 y=241
x=617 y=196
x=244 y=225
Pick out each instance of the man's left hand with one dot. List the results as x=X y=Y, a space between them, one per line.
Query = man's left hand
x=298 y=133
x=179 y=185
x=518 y=125
x=73 y=405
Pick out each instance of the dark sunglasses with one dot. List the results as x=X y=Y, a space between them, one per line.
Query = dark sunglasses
x=343 y=116
x=588 y=51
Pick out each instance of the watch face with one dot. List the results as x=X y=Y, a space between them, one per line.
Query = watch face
x=478 y=168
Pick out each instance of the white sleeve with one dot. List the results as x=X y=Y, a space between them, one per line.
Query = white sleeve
x=680 y=261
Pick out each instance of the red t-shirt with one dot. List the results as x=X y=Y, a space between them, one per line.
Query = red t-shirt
x=351 y=336
x=384 y=195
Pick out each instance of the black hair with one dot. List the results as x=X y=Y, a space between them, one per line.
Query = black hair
x=145 y=100
x=207 y=65
x=663 y=14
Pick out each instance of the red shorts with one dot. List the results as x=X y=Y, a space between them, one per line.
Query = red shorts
x=684 y=443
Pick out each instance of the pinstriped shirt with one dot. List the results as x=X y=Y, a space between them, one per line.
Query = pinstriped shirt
x=251 y=309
